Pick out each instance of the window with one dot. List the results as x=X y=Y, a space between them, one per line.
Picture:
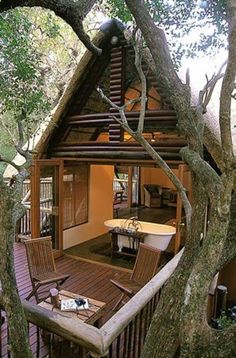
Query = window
x=75 y=183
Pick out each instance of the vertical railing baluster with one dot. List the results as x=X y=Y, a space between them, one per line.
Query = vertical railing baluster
x=130 y=339
x=125 y=342
x=153 y=307
x=140 y=338
x=135 y=335
x=111 y=350
x=25 y=223
x=29 y=221
x=38 y=342
x=145 y=321
x=50 y=345
x=118 y=347
x=8 y=351
x=130 y=342
x=149 y=315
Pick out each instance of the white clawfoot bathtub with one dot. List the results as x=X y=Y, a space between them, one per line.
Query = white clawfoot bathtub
x=158 y=235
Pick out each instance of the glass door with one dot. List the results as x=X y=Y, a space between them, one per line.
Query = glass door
x=46 y=212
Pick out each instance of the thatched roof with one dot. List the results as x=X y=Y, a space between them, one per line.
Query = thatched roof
x=212 y=128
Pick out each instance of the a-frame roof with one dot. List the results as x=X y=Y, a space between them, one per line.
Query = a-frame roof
x=81 y=78
x=81 y=108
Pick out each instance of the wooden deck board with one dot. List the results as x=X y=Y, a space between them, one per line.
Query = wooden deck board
x=86 y=278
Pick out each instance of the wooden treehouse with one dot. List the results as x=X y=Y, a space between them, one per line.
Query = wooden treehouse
x=86 y=168
x=85 y=157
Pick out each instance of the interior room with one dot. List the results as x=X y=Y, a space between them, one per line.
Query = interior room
x=121 y=191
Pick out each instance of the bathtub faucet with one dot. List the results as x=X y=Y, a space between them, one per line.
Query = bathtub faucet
x=132 y=223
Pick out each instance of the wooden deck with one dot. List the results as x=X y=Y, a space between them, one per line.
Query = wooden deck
x=86 y=278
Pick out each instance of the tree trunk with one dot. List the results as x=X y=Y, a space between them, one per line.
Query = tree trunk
x=163 y=337
x=180 y=318
x=17 y=325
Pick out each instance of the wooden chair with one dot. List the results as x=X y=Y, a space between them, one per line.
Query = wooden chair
x=145 y=267
x=152 y=195
x=41 y=265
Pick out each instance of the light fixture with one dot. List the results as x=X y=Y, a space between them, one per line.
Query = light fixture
x=114 y=40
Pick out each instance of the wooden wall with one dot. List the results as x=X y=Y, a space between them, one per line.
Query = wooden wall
x=228 y=278
x=100 y=207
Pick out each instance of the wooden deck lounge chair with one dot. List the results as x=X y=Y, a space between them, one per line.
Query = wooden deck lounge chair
x=41 y=265
x=145 y=267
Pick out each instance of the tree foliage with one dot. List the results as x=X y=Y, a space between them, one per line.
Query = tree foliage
x=38 y=54
x=184 y=297
x=203 y=22
x=21 y=86
x=23 y=98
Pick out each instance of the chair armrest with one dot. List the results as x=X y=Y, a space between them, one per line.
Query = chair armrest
x=128 y=286
x=122 y=287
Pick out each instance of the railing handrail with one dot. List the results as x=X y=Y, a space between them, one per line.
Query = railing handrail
x=114 y=326
x=41 y=208
x=67 y=327
x=42 y=201
x=95 y=339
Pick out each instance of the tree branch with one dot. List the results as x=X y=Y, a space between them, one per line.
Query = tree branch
x=8 y=161
x=71 y=11
x=187 y=77
x=156 y=42
x=178 y=93
x=120 y=109
x=227 y=89
x=137 y=45
x=141 y=140
x=155 y=156
x=206 y=93
x=20 y=131
x=174 y=179
x=207 y=175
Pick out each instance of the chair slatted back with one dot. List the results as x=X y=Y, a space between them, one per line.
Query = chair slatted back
x=146 y=264
x=40 y=256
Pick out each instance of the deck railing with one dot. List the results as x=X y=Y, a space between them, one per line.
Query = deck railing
x=122 y=336
x=45 y=209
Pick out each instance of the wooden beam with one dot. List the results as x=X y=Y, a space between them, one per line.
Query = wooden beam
x=159 y=145
x=99 y=149
x=159 y=114
x=113 y=155
x=174 y=164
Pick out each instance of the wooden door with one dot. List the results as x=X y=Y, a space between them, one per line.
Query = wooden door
x=46 y=201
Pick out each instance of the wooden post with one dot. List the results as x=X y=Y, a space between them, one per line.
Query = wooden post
x=35 y=199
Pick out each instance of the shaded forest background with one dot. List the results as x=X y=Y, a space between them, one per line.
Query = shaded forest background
x=36 y=37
